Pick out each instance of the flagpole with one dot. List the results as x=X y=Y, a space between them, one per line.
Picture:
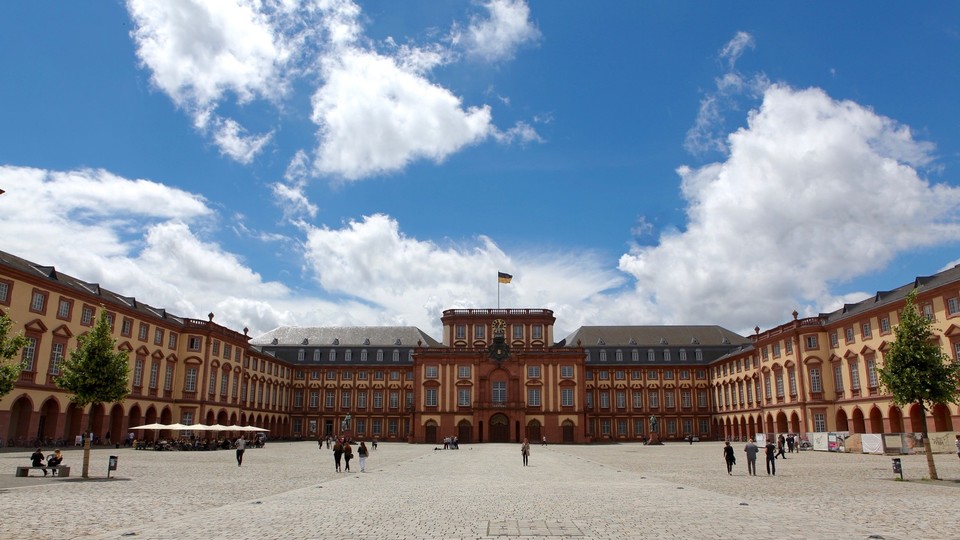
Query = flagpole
x=498 y=292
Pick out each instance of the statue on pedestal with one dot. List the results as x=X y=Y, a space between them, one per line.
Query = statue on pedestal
x=345 y=424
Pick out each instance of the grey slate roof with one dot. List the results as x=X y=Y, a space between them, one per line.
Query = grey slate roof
x=948 y=276
x=108 y=298
x=654 y=336
x=332 y=336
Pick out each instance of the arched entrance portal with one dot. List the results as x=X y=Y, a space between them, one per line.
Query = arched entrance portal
x=430 y=432
x=567 y=427
x=534 y=431
x=19 y=428
x=464 y=432
x=499 y=428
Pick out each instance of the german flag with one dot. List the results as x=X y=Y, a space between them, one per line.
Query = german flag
x=503 y=278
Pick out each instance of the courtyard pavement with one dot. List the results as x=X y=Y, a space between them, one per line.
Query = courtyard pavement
x=290 y=490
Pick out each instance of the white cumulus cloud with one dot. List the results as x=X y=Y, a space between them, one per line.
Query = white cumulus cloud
x=497 y=36
x=814 y=191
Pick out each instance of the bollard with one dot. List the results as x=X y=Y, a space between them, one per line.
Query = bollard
x=111 y=465
x=898 y=467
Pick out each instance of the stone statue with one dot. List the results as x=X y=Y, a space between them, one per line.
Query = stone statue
x=345 y=425
x=654 y=424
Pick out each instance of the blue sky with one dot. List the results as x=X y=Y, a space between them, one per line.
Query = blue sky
x=366 y=163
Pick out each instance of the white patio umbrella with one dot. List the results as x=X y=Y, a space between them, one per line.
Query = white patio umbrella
x=253 y=428
x=153 y=426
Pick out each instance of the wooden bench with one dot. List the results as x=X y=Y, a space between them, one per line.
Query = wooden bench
x=61 y=470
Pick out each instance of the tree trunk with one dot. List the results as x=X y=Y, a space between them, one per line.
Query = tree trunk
x=927 y=449
x=87 y=441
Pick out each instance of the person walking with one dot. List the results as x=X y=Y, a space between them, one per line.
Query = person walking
x=347 y=456
x=362 y=453
x=751 y=450
x=729 y=457
x=337 y=453
x=240 y=445
x=781 y=442
x=771 y=455
x=525 y=451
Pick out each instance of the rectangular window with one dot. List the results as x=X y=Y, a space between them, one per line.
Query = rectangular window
x=193 y=343
x=704 y=427
x=812 y=342
x=154 y=375
x=168 y=378
x=463 y=397
x=854 y=376
x=144 y=329
x=776 y=353
x=533 y=397
x=138 y=373
x=622 y=427
x=848 y=335
x=431 y=372
x=927 y=310
x=463 y=372
x=769 y=391
x=172 y=341
x=517 y=331
x=331 y=375
x=671 y=426
x=819 y=422
x=669 y=400
x=953 y=305
x=461 y=331
x=605 y=427
x=430 y=397
x=63 y=311
x=38 y=302
x=884 y=325
x=816 y=384
x=537 y=331
x=86 y=316
x=637 y=427
x=499 y=392
x=533 y=372
x=685 y=399
x=838 y=379
x=566 y=397
x=377 y=399
x=212 y=387
x=604 y=375
x=566 y=372
x=589 y=400
x=56 y=358
x=298 y=398
x=345 y=399
x=866 y=331
x=654 y=399
x=224 y=384
x=328 y=399
x=834 y=340
x=394 y=400
x=315 y=398
x=479 y=331
x=604 y=400
x=5 y=292
x=779 y=379
x=702 y=399
x=637 y=400
x=190 y=380
x=872 y=373
x=652 y=374
x=668 y=375
x=126 y=327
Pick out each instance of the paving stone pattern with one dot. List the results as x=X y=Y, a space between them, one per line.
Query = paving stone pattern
x=290 y=490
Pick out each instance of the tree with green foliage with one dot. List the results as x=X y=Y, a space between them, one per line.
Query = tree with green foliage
x=916 y=370
x=95 y=373
x=9 y=349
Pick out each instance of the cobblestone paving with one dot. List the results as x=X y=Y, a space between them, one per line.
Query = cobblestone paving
x=290 y=490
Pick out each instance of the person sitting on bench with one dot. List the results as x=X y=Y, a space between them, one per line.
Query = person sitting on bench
x=54 y=460
x=37 y=459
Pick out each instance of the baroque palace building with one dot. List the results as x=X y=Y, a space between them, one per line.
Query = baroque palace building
x=496 y=375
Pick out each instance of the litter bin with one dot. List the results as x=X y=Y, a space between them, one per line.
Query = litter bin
x=897 y=467
x=111 y=465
